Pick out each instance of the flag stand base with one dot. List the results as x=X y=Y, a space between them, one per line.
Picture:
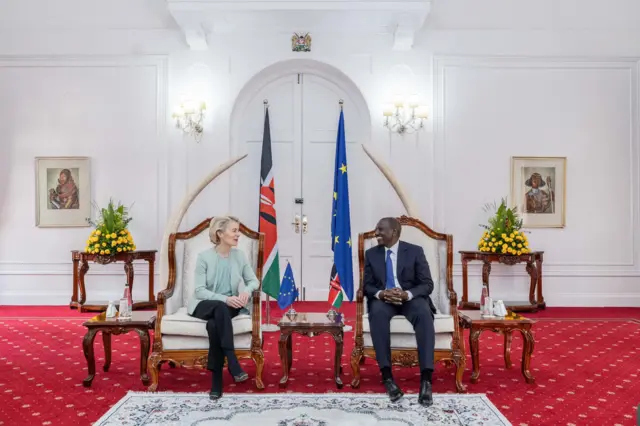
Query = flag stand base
x=270 y=327
x=332 y=314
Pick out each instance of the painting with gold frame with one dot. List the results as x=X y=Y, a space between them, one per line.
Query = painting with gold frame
x=538 y=189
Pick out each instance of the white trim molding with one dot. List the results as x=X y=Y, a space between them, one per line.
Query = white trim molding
x=442 y=63
x=200 y=19
x=160 y=64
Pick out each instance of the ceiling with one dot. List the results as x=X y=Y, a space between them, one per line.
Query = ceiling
x=201 y=19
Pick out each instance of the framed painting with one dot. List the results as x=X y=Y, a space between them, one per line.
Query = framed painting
x=63 y=192
x=538 y=189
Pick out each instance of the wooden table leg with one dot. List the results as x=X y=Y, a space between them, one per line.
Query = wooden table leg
x=87 y=347
x=541 y=303
x=533 y=281
x=474 y=337
x=527 y=351
x=465 y=282
x=74 y=294
x=507 y=348
x=337 y=365
x=486 y=271
x=284 y=349
x=144 y=354
x=128 y=270
x=84 y=268
x=152 y=262
x=106 y=342
x=290 y=352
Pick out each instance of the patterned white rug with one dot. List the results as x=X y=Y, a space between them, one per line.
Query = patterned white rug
x=291 y=409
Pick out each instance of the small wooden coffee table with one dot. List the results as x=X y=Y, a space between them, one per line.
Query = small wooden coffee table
x=141 y=322
x=310 y=324
x=476 y=323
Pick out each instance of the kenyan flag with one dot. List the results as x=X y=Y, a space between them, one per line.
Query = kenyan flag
x=335 y=289
x=267 y=224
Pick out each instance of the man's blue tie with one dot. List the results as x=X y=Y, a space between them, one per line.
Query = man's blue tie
x=391 y=282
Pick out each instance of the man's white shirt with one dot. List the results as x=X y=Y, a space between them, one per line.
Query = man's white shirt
x=394 y=262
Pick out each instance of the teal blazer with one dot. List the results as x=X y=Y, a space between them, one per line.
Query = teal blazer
x=205 y=285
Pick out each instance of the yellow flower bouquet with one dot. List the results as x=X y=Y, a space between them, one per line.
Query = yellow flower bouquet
x=110 y=235
x=503 y=233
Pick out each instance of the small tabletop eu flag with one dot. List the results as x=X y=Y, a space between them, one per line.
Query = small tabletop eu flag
x=288 y=290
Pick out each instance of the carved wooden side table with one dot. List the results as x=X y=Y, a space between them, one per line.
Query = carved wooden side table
x=140 y=323
x=476 y=323
x=533 y=263
x=81 y=267
x=310 y=324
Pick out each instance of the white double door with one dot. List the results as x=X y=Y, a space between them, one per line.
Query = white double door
x=304 y=112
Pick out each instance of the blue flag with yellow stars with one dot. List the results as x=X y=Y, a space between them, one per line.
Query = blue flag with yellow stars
x=288 y=290
x=342 y=272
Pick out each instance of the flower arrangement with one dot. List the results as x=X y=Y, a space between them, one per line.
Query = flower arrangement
x=503 y=233
x=110 y=235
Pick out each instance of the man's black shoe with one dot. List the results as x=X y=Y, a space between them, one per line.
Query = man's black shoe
x=393 y=390
x=425 y=398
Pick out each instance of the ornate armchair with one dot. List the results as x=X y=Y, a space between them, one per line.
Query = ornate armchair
x=449 y=347
x=182 y=339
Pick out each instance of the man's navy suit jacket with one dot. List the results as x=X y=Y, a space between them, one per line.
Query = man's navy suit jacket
x=412 y=272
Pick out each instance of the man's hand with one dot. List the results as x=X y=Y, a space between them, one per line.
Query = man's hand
x=396 y=296
x=235 y=302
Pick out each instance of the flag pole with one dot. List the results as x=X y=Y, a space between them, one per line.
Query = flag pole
x=268 y=327
x=333 y=313
x=346 y=327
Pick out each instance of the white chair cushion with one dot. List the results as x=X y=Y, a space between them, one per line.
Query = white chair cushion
x=172 y=343
x=408 y=341
x=183 y=324
x=400 y=325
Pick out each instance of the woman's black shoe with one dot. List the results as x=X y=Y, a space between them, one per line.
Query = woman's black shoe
x=216 y=385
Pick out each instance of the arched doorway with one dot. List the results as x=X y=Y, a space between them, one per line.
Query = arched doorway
x=303 y=97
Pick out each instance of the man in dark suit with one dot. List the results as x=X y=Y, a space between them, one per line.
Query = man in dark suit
x=397 y=281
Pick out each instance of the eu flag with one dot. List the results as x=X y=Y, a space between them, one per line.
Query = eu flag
x=288 y=289
x=342 y=271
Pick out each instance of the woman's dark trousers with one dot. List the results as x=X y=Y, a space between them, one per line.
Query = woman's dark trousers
x=218 y=316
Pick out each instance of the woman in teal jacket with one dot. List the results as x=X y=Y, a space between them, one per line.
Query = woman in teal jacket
x=224 y=282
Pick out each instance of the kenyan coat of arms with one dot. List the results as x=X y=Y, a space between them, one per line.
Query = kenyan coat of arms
x=301 y=42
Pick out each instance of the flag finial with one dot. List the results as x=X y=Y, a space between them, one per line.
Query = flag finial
x=341 y=102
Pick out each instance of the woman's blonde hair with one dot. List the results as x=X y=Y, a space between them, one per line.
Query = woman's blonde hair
x=221 y=224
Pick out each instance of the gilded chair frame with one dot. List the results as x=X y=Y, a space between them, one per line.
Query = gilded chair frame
x=408 y=357
x=196 y=358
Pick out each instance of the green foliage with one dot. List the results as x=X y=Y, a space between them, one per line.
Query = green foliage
x=110 y=235
x=111 y=218
x=504 y=219
x=502 y=234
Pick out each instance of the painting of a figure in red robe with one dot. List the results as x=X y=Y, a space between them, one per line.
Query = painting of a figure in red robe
x=538 y=190
x=63 y=189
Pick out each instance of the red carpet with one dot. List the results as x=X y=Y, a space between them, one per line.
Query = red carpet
x=586 y=370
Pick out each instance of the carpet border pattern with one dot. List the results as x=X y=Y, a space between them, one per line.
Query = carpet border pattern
x=377 y=400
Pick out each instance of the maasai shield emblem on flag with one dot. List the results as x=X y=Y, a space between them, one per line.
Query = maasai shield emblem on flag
x=267 y=223
x=342 y=271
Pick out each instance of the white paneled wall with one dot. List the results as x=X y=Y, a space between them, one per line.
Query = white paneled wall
x=499 y=84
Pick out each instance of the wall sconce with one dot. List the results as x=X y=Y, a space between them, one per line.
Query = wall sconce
x=405 y=117
x=189 y=115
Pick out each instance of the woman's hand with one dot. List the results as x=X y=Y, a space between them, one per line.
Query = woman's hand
x=244 y=297
x=235 y=302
